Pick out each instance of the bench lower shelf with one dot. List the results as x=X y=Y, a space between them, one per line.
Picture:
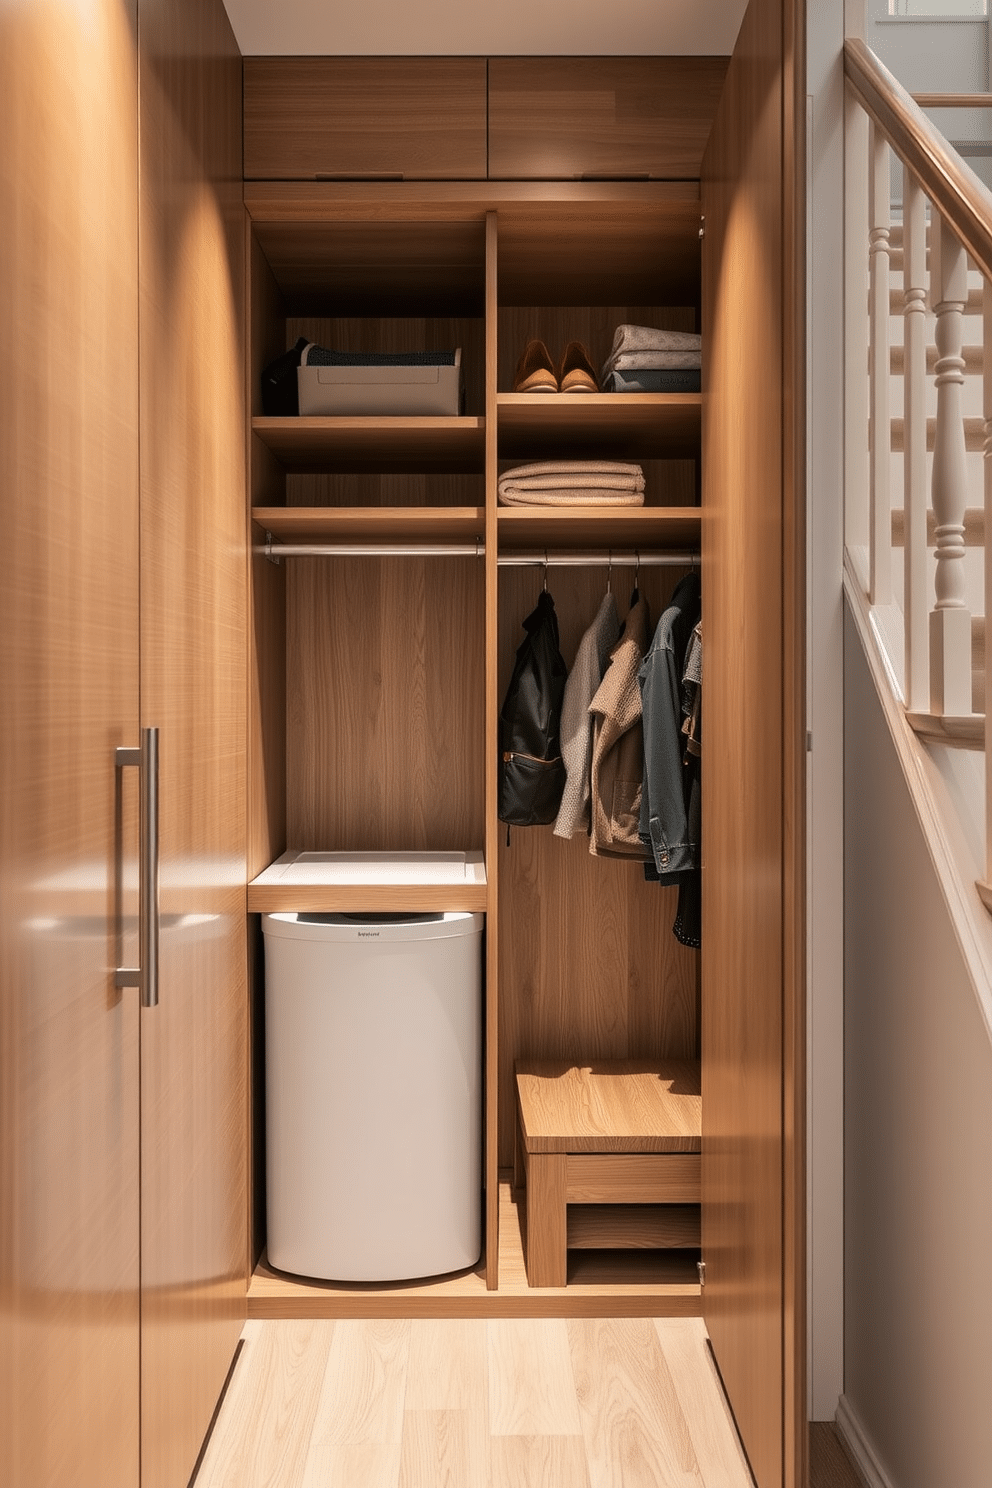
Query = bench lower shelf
x=633 y=1227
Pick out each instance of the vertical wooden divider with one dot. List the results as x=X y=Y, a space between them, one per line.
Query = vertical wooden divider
x=492 y=823
x=795 y=142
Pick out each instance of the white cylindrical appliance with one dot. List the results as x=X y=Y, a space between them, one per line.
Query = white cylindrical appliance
x=373 y=1043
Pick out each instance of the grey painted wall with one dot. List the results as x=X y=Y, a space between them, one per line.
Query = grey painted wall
x=918 y=1135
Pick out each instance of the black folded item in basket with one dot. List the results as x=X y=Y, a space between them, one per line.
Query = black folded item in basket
x=280 y=392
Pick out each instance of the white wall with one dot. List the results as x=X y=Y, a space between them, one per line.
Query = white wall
x=509 y=28
x=918 y=1107
x=932 y=54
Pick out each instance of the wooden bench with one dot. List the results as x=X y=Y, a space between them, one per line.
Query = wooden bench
x=621 y=1133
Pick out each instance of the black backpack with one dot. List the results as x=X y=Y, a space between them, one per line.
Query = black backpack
x=280 y=394
x=531 y=770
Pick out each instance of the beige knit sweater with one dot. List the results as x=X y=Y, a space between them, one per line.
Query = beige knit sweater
x=618 y=746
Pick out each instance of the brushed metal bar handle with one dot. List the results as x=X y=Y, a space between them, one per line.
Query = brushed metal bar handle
x=614 y=175
x=358 y=175
x=148 y=897
x=145 y=975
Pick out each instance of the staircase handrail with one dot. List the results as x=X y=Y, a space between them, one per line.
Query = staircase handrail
x=953 y=100
x=919 y=270
x=954 y=188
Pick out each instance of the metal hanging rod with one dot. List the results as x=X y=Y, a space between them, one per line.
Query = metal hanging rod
x=372 y=550
x=617 y=557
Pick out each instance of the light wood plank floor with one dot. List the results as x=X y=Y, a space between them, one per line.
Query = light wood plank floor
x=474 y=1403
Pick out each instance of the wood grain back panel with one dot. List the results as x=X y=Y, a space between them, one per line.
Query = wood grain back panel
x=417 y=117
x=69 y=1241
x=385 y=693
x=589 y=968
x=193 y=621
x=563 y=251
x=377 y=266
x=554 y=118
x=745 y=510
x=387 y=491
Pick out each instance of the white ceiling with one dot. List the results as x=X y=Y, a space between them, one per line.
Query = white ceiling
x=424 y=28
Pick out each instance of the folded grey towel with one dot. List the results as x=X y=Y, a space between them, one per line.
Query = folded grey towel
x=626 y=361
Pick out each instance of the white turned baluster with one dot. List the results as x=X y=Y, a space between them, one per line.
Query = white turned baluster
x=950 y=621
x=879 y=373
x=987 y=467
x=856 y=229
x=915 y=600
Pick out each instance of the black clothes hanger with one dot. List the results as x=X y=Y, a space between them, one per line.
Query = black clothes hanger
x=636 y=592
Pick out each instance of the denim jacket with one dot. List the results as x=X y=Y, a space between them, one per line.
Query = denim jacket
x=665 y=817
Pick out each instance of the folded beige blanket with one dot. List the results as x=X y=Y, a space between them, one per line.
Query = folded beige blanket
x=573 y=483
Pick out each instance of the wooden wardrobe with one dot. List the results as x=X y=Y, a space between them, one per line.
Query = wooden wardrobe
x=123 y=1236
x=350 y=702
x=376 y=680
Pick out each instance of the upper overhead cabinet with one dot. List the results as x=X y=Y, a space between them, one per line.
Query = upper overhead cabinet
x=365 y=118
x=601 y=118
x=464 y=119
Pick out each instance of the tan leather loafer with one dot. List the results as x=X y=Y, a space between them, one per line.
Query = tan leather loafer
x=535 y=370
x=575 y=370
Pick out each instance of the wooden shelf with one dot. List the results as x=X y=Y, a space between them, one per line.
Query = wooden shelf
x=654 y=203
x=316 y=883
x=629 y=1283
x=384 y=445
x=364 y=898
x=629 y=426
x=673 y=527
x=359 y=524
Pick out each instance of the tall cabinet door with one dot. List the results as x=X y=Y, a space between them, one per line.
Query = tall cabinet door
x=751 y=1214
x=69 y=670
x=193 y=687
